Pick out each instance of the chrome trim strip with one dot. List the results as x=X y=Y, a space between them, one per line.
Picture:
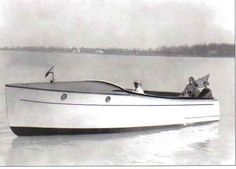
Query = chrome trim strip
x=42 y=102
x=202 y=117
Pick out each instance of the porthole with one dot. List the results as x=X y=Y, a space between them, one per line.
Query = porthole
x=63 y=96
x=108 y=99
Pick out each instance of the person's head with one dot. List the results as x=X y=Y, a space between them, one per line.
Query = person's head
x=192 y=81
x=137 y=84
x=205 y=84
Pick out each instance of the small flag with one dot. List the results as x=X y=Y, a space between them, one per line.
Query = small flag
x=49 y=71
x=201 y=80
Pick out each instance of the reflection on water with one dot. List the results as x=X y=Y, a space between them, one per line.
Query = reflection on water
x=158 y=146
x=206 y=144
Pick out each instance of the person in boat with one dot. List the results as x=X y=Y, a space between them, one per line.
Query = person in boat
x=138 y=88
x=206 y=92
x=191 y=89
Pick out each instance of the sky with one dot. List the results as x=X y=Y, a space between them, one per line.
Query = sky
x=115 y=23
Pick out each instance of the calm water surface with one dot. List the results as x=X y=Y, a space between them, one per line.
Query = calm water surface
x=210 y=144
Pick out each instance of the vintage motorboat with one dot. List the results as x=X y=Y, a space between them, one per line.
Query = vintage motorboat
x=92 y=106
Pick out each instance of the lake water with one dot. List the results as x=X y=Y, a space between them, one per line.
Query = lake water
x=210 y=144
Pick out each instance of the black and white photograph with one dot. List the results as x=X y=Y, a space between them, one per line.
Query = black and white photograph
x=117 y=83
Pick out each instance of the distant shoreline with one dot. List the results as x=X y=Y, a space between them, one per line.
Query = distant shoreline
x=198 y=50
x=192 y=56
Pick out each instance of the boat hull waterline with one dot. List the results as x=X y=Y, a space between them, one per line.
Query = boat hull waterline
x=44 y=112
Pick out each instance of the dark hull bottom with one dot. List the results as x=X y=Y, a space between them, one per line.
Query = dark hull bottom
x=36 y=131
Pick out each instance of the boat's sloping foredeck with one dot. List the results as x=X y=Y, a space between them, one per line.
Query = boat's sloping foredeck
x=73 y=86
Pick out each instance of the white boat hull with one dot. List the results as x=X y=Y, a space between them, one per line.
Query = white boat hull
x=41 y=109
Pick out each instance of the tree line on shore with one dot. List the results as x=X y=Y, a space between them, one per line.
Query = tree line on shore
x=212 y=49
